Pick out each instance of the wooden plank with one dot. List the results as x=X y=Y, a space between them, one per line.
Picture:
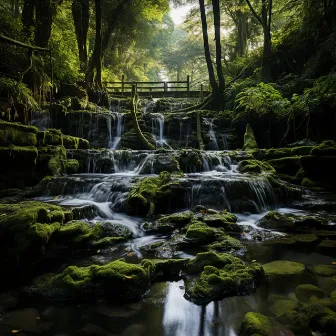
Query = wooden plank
x=130 y=83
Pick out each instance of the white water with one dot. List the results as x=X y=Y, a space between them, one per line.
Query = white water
x=212 y=133
x=158 y=130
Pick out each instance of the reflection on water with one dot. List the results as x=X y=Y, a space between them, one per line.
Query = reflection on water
x=182 y=317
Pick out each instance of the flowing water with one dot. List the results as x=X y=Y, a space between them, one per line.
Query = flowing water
x=105 y=185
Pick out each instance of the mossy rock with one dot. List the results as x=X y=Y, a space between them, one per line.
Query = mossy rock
x=304 y=293
x=164 y=269
x=255 y=167
x=146 y=197
x=179 y=219
x=114 y=280
x=203 y=259
x=325 y=270
x=327 y=247
x=72 y=166
x=200 y=233
x=224 y=220
x=70 y=142
x=256 y=324
x=230 y=277
x=333 y=296
x=130 y=140
x=17 y=134
x=226 y=244
x=26 y=229
x=321 y=319
x=284 y=275
x=289 y=223
x=287 y=312
x=250 y=142
x=281 y=268
x=286 y=165
x=326 y=148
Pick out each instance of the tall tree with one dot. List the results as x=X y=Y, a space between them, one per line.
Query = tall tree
x=265 y=20
x=95 y=61
x=212 y=78
x=217 y=24
x=81 y=18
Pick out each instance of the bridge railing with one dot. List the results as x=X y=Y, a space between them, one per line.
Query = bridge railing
x=149 y=87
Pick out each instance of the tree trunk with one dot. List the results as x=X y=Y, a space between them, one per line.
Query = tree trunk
x=81 y=17
x=28 y=17
x=266 y=61
x=95 y=61
x=242 y=33
x=43 y=22
x=220 y=75
x=211 y=72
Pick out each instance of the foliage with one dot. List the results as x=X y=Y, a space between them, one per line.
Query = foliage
x=322 y=93
x=260 y=101
x=17 y=92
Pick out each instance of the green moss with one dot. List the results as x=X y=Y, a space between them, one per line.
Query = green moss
x=325 y=270
x=180 y=218
x=333 y=296
x=307 y=182
x=304 y=293
x=250 y=142
x=17 y=134
x=226 y=244
x=108 y=241
x=224 y=220
x=203 y=259
x=283 y=269
x=116 y=279
x=200 y=233
x=164 y=269
x=289 y=223
x=256 y=324
x=53 y=137
x=147 y=193
x=255 y=167
x=327 y=246
x=321 y=318
x=27 y=227
x=288 y=313
x=234 y=278
x=70 y=142
x=72 y=166
x=286 y=165
x=326 y=148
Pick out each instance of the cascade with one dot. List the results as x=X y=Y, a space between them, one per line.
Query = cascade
x=119 y=130
x=158 y=129
x=212 y=133
x=225 y=141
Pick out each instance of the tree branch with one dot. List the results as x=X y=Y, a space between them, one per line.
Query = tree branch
x=254 y=12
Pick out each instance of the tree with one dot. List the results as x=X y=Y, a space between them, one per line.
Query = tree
x=81 y=18
x=265 y=20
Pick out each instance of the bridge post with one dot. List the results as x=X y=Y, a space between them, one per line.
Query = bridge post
x=165 y=86
x=188 y=84
x=202 y=93
x=122 y=84
x=134 y=90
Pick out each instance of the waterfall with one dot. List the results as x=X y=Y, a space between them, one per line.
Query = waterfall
x=212 y=133
x=225 y=141
x=158 y=130
x=118 y=130
x=216 y=161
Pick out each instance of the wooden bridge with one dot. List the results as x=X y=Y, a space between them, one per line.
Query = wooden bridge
x=177 y=89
